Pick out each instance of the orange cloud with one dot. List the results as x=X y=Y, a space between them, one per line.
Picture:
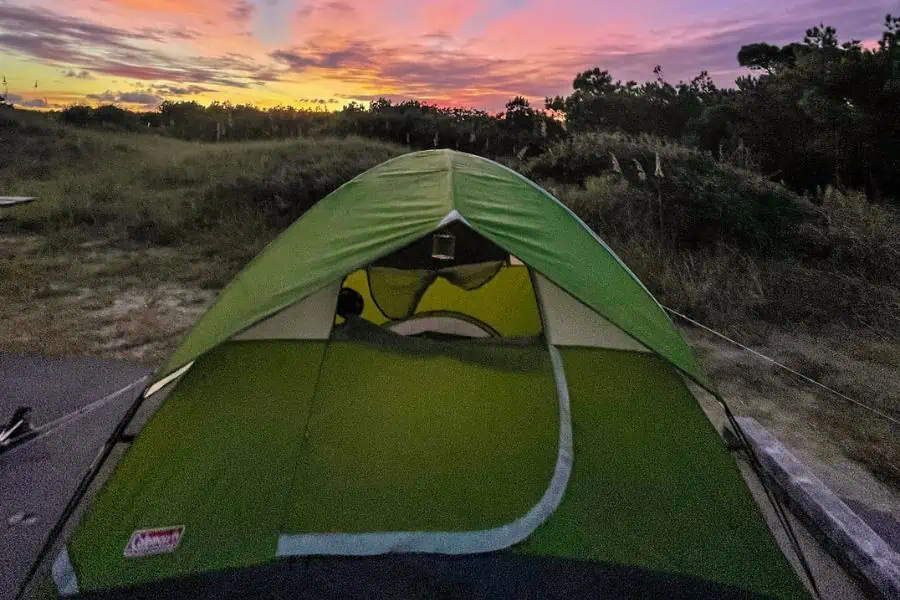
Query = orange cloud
x=207 y=8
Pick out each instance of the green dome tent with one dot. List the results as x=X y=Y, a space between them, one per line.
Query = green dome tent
x=504 y=413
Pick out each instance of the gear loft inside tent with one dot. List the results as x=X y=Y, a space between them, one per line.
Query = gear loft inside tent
x=437 y=382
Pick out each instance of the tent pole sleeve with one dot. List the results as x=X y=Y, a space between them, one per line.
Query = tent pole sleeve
x=80 y=492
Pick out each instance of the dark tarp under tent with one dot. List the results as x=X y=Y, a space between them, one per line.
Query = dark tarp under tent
x=505 y=414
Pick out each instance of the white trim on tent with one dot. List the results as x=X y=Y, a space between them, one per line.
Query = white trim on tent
x=167 y=380
x=308 y=319
x=568 y=322
x=438 y=324
x=63 y=573
x=452 y=216
x=451 y=542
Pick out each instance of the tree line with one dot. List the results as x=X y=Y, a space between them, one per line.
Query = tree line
x=810 y=114
x=518 y=130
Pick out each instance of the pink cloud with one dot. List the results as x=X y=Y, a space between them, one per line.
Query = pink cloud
x=471 y=52
x=447 y=14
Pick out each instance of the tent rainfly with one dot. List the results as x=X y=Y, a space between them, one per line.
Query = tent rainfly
x=437 y=382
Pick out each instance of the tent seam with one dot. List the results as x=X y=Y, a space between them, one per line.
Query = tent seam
x=450 y=196
x=451 y=193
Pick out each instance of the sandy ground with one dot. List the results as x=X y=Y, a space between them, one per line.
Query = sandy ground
x=99 y=301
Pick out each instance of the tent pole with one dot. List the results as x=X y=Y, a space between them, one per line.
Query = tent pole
x=777 y=506
x=90 y=475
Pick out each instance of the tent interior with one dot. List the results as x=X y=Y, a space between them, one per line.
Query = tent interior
x=455 y=402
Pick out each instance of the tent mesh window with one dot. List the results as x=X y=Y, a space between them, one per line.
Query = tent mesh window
x=473 y=291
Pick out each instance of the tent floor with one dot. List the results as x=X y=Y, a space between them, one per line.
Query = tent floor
x=498 y=575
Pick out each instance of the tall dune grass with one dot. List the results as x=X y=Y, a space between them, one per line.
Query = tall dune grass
x=725 y=244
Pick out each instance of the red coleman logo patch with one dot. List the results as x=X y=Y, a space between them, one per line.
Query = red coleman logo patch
x=147 y=542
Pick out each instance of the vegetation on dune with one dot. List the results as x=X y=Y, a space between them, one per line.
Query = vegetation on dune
x=726 y=244
x=750 y=257
x=159 y=190
x=813 y=113
x=695 y=200
x=519 y=130
x=175 y=220
x=718 y=241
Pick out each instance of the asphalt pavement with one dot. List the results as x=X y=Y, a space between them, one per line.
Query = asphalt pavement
x=37 y=479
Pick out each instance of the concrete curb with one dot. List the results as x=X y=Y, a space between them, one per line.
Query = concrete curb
x=847 y=536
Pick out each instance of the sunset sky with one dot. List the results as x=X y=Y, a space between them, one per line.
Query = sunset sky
x=325 y=53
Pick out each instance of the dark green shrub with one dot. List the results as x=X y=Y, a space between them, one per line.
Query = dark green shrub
x=702 y=202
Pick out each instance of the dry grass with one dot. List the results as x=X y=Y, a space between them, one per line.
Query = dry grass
x=145 y=188
x=843 y=266
x=854 y=234
x=839 y=440
x=133 y=234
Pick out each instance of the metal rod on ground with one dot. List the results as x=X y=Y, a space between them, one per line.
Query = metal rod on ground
x=768 y=359
x=10 y=201
x=80 y=492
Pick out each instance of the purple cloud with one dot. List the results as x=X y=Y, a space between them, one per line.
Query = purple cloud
x=48 y=36
x=242 y=11
x=73 y=74
x=143 y=98
x=415 y=70
x=162 y=35
x=319 y=100
x=18 y=100
x=337 y=6
x=332 y=6
x=35 y=103
x=438 y=36
x=713 y=45
x=174 y=90
x=423 y=69
x=37 y=21
x=351 y=54
x=432 y=66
